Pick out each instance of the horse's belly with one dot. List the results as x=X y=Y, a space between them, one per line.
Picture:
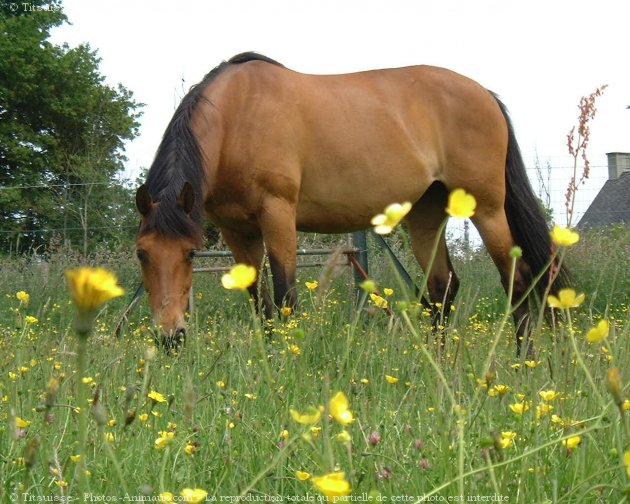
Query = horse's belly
x=345 y=207
x=344 y=183
x=318 y=218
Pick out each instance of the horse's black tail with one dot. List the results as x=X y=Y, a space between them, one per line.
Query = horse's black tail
x=526 y=218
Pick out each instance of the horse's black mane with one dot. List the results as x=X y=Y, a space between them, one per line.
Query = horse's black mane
x=179 y=159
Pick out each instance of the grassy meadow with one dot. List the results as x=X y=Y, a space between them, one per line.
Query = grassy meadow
x=469 y=423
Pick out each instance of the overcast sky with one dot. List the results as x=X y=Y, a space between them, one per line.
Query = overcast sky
x=540 y=56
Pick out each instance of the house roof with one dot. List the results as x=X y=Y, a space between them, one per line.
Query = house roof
x=610 y=206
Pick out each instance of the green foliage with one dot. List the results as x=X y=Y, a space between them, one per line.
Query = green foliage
x=62 y=131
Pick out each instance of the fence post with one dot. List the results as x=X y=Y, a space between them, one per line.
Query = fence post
x=359 y=242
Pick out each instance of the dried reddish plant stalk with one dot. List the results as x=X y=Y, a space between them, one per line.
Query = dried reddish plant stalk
x=578 y=148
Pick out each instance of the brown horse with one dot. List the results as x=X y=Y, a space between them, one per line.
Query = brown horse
x=265 y=151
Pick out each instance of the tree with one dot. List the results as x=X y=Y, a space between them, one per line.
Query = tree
x=62 y=133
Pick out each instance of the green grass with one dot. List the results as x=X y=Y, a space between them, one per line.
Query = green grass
x=439 y=434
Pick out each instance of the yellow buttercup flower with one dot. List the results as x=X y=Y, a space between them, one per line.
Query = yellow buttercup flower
x=384 y=223
x=23 y=296
x=507 y=439
x=91 y=287
x=387 y=291
x=548 y=395
x=599 y=332
x=163 y=439
x=378 y=300
x=285 y=311
x=572 y=442
x=564 y=237
x=391 y=379
x=339 y=409
x=156 y=397
x=332 y=484
x=311 y=285
x=542 y=409
x=166 y=497
x=193 y=494
x=240 y=277
x=20 y=423
x=302 y=475
x=29 y=319
x=519 y=408
x=306 y=418
x=498 y=390
x=461 y=205
x=567 y=298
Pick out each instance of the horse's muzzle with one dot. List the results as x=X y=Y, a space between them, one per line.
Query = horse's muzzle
x=173 y=340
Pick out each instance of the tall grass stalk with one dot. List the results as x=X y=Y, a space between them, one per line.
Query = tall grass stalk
x=114 y=460
x=580 y=360
x=82 y=412
x=498 y=332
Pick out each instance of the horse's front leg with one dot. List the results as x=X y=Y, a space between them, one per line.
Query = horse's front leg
x=249 y=249
x=277 y=222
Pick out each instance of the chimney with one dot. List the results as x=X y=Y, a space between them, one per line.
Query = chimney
x=618 y=163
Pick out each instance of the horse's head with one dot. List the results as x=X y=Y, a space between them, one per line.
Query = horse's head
x=166 y=243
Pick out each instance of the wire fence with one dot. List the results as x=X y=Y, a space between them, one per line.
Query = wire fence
x=50 y=186
x=549 y=183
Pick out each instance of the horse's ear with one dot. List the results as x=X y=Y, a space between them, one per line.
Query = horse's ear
x=144 y=202
x=186 y=199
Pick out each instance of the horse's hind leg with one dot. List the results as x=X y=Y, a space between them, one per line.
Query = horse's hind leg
x=424 y=222
x=495 y=233
x=250 y=250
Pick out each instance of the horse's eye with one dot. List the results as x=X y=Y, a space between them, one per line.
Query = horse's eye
x=190 y=255
x=142 y=255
